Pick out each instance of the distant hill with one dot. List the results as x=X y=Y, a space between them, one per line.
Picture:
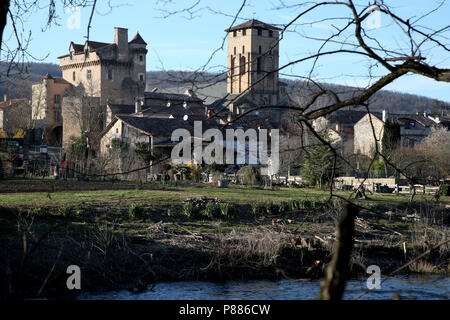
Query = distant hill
x=18 y=86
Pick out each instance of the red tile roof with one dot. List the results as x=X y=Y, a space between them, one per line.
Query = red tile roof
x=8 y=103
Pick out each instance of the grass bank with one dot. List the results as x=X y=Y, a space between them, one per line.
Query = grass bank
x=134 y=237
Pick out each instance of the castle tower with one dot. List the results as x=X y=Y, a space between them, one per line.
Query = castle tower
x=253 y=58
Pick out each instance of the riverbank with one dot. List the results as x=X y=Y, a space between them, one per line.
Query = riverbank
x=128 y=239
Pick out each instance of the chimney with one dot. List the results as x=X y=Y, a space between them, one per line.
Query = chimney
x=5 y=97
x=384 y=115
x=137 y=106
x=121 y=40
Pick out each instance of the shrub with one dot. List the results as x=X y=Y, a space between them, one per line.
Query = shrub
x=212 y=210
x=294 y=205
x=258 y=208
x=445 y=190
x=306 y=204
x=250 y=176
x=227 y=210
x=64 y=211
x=38 y=212
x=283 y=207
x=80 y=212
x=135 y=211
x=190 y=210
x=271 y=208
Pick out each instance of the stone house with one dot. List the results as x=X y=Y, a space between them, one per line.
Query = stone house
x=413 y=129
x=15 y=114
x=47 y=97
x=125 y=132
x=341 y=128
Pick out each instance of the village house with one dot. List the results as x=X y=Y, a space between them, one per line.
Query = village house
x=15 y=115
x=340 y=125
x=370 y=128
x=47 y=97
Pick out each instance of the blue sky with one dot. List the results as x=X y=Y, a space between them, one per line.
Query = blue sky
x=185 y=42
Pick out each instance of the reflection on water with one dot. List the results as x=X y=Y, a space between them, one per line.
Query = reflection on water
x=428 y=287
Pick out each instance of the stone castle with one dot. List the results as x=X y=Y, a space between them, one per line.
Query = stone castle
x=96 y=75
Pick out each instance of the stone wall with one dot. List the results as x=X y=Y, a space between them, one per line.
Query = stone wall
x=364 y=140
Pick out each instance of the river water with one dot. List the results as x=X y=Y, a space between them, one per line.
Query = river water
x=414 y=287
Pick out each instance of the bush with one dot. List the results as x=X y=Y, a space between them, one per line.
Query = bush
x=258 y=208
x=189 y=210
x=64 y=211
x=135 y=211
x=445 y=190
x=294 y=205
x=271 y=208
x=80 y=212
x=250 y=175
x=283 y=207
x=306 y=204
x=228 y=210
x=38 y=212
x=212 y=210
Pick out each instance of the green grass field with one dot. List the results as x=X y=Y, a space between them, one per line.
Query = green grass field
x=161 y=194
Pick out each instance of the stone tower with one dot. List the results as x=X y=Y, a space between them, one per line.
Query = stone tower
x=253 y=58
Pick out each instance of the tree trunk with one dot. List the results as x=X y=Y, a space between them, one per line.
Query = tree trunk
x=337 y=271
x=4 y=7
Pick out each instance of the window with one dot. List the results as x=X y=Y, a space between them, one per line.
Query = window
x=71 y=55
x=86 y=53
x=242 y=65
x=110 y=76
x=270 y=33
x=57 y=99
x=57 y=108
x=259 y=50
x=234 y=50
x=73 y=76
x=57 y=113
x=117 y=130
x=89 y=74
x=259 y=32
x=232 y=65
x=234 y=33
x=258 y=65
x=244 y=32
x=410 y=125
x=141 y=77
x=141 y=58
x=243 y=49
